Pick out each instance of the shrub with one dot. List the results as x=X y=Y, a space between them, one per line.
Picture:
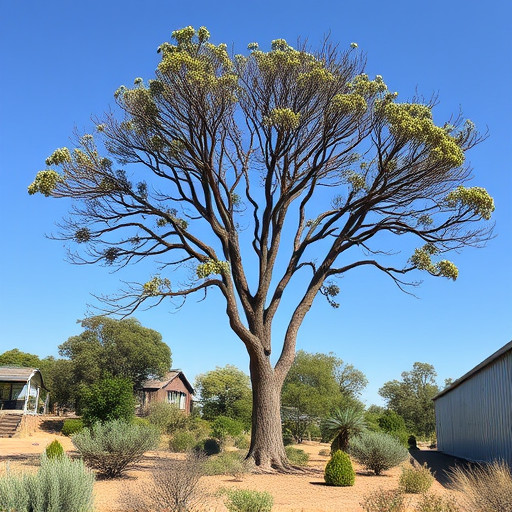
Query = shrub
x=339 y=470
x=245 y=500
x=434 y=503
x=377 y=451
x=324 y=452
x=416 y=479
x=243 y=442
x=487 y=487
x=72 y=426
x=208 y=446
x=167 y=417
x=297 y=456
x=141 y=422
x=54 y=450
x=411 y=441
x=224 y=427
x=111 y=447
x=182 y=441
x=226 y=463
x=60 y=485
x=385 y=501
x=287 y=437
x=174 y=486
x=110 y=399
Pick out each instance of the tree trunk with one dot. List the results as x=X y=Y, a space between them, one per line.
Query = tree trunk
x=267 y=447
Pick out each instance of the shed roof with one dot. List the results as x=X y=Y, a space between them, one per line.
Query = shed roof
x=154 y=384
x=501 y=352
x=18 y=374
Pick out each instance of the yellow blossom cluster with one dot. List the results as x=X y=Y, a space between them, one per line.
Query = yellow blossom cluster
x=352 y=103
x=211 y=267
x=414 y=122
x=45 y=182
x=421 y=259
x=475 y=198
x=59 y=156
x=283 y=119
x=156 y=286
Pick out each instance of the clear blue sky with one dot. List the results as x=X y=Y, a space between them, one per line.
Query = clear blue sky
x=60 y=63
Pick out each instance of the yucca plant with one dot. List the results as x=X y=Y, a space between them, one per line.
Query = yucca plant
x=343 y=425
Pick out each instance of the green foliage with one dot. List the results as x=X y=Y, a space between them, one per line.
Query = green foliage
x=243 y=441
x=16 y=357
x=226 y=463
x=167 y=417
x=315 y=385
x=377 y=451
x=209 y=446
x=111 y=447
x=224 y=427
x=434 y=503
x=60 y=485
x=182 y=441
x=117 y=348
x=245 y=500
x=296 y=456
x=110 y=399
x=339 y=471
x=342 y=426
x=54 y=450
x=411 y=398
x=72 y=426
x=385 y=501
x=287 y=437
x=416 y=480
x=141 y=422
x=227 y=392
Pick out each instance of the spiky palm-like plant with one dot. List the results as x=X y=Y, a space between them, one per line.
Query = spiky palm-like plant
x=342 y=425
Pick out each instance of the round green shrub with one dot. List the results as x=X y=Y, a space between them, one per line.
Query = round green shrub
x=182 y=441
x=208 y=446
x=297 y=456
x=416 y=480
x=339 y=471
x=72 y=426
x=377 y=451
x=54 y=450
x=245 y=500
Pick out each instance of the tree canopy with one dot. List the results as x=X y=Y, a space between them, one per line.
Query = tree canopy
x=300 y=151
x=16 y=357
x=117 y=348
x=316 y=385
x=411 y=398
x=225 y=392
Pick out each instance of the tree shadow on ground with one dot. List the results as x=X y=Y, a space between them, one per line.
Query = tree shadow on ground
x=439 y=463
x=52 y=426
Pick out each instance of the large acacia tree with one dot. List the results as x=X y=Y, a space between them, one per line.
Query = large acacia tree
x=255 y=171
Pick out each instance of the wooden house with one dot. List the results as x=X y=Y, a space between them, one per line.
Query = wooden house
x=172 y=388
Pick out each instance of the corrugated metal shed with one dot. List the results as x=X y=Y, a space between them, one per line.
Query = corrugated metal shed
x=474 y=414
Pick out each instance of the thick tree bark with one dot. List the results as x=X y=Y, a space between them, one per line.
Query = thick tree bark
x=267 y=448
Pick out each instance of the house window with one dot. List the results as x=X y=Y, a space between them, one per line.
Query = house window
x=177 y=398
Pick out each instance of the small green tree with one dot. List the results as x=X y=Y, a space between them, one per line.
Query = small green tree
x=110 y=399
x=411 y=398
x=16 y=357
x=225 y=391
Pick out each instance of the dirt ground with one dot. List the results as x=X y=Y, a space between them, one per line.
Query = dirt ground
x=303 y=492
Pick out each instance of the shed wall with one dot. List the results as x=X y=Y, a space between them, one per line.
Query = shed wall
x=474 y=420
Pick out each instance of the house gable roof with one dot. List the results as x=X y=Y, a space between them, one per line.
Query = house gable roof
x=486 y=362
x=19 y=374
x=154 y=384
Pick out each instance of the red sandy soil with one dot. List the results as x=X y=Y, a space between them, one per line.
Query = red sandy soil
x=303 y=492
